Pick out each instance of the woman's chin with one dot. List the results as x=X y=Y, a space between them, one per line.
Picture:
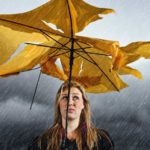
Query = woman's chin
x=71 y=116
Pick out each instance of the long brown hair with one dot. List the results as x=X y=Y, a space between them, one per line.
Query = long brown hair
x=53 y=134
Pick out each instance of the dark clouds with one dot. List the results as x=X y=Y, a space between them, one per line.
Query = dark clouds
x=124 y=114
x=24 y=84
x=19 y=124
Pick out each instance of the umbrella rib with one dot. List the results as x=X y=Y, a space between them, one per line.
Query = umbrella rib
x=42 y=45
x=82 y=42
x=41 y=65
x=81 y=51
x=49 y=46
x=55 y=40
x=84 y=58
x=35 y=90
x=59 y=54
x=63 y=49
x=99 y=67
x=37 y=67
x=33 y=27
x=89 y=44
x=84 y=48
x=93 y=53
x=47 y=60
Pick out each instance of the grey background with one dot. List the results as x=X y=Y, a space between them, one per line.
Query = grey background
x=124 y=114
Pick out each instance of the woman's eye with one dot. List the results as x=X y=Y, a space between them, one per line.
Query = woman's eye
x=65 y=98
x=75 y=98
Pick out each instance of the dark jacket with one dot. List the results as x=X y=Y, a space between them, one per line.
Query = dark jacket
x=104 y=143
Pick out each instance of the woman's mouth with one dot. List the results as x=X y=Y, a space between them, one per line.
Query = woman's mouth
x=70 y=110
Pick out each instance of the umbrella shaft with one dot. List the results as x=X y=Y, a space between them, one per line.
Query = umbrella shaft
x=69 y=83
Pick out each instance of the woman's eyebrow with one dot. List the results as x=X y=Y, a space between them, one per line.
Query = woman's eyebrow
x=64 y=94
x=71 y=93
x=75 y=93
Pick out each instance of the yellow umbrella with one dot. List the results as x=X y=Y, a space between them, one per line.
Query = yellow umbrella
x=35 y=24
x=70 y=16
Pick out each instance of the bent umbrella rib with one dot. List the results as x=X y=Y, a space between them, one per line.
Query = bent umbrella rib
x=98 y=67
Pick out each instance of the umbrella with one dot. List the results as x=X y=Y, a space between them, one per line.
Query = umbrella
x=95 y=63
x=33 y=26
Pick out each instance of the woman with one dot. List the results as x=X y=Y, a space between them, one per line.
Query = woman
x=81 y=135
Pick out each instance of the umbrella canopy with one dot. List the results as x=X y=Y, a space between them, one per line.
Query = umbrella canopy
x=69 y=16
x=76 y=18
x=33 y=26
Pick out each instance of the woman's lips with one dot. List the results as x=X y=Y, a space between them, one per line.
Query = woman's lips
x=70 y=110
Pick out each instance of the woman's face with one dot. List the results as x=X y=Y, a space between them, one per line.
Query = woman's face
x=76 y=103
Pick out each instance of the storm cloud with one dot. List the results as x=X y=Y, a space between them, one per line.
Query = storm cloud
x=124 y=114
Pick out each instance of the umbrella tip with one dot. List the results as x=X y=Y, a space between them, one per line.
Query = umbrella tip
x=30 y=106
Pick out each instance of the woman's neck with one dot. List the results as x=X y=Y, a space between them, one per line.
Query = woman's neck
x=72 y=126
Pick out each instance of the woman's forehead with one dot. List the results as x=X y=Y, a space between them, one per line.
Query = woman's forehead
x=73 y=90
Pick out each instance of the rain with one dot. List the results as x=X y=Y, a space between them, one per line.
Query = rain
x=124 y=114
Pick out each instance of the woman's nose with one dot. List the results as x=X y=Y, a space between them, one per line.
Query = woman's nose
x=71 y=101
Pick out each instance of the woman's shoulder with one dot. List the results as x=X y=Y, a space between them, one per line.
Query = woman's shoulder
x=34 y=144
x=39 y=142
x=105 y=140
